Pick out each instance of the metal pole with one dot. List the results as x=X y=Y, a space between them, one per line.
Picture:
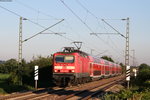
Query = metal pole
x=127 y=44
x=92 y=51
x=20 y=52
x=127 y=49
x=36 y=76
x=20 y=42
x=133 y=56
x=128 y=84
x=36 y=84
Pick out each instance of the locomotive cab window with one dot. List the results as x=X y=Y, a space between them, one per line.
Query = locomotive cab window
x=59 y=58
x=64 y=59
x=69 y=59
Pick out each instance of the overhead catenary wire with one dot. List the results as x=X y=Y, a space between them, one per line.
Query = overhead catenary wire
x=113 y=28
x=76 y=15
x=108 y=44
x=91 y=14
x=38 y=11
x=110 y=34
x=21 y=16
x=29 y=7
x=33 y=23
x=73 y=30
x=113 y=42
x=43 y=31
x=87 y=46
x=24 y=17
x=87 y=10
x=79 y=38
x=98 y=20
x=37 y=23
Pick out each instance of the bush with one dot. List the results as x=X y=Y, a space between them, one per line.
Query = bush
x=45 y=72
x=146 y=94
x=143 y=76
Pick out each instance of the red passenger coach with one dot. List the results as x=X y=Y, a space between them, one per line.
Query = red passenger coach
x=74 y=67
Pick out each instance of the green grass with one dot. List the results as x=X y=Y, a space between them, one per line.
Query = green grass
x=4 y=76
x=3 y=82
x=6 y=87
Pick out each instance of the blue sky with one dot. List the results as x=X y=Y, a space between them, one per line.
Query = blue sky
x=49 y=12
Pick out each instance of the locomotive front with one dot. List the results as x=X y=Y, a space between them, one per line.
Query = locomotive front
x=64 y=68
x=64 y=63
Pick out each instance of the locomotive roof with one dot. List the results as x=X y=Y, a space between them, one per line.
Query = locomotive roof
x=68 y=50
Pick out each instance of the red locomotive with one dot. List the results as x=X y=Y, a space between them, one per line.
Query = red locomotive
x=74 y=67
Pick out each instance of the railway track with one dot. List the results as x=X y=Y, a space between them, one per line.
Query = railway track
x=84 y=91
x=87 y=93
x=23 y=94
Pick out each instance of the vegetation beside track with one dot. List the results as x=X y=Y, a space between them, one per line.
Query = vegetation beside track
x=14 y=78
x=10 y=79
x=7 y=87
x=139 y=87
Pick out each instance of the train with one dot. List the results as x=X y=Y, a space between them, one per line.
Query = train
x=73 y=67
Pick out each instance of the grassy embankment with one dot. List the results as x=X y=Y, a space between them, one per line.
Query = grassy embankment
x=3 y=83
x=6 y=87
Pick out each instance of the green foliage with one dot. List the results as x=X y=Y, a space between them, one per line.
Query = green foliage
x=144 y=66
x=8 y=66
x=146 y=94
x=25 y=73
x=123 y=67
x=16 y=77
x=6 y=86
x=143 y=76
x=4 y=76
x=108 y=58
x=140 y=87
x=2 y=68
x=45 y=71
x=41 y=61
x=124 y=94
x=2 y=91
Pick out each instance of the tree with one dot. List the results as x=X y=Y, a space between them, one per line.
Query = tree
x=123 y=67
x=41 y=61
x=8 y=66
x=143 y=75
x=2 y=68
x=144 y=66
x=1 y=62
x=108 y=58
x=45 y=71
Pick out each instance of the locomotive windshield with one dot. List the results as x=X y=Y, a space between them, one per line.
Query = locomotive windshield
x=64 y=59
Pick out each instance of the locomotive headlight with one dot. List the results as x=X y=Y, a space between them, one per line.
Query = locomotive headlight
x=58 y=67
x=72 y=70
x=55 y=70
x=70 y=67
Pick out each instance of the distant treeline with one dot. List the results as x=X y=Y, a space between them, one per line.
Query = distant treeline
x=1 y=61
x=139 y=87
x=25 y=72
